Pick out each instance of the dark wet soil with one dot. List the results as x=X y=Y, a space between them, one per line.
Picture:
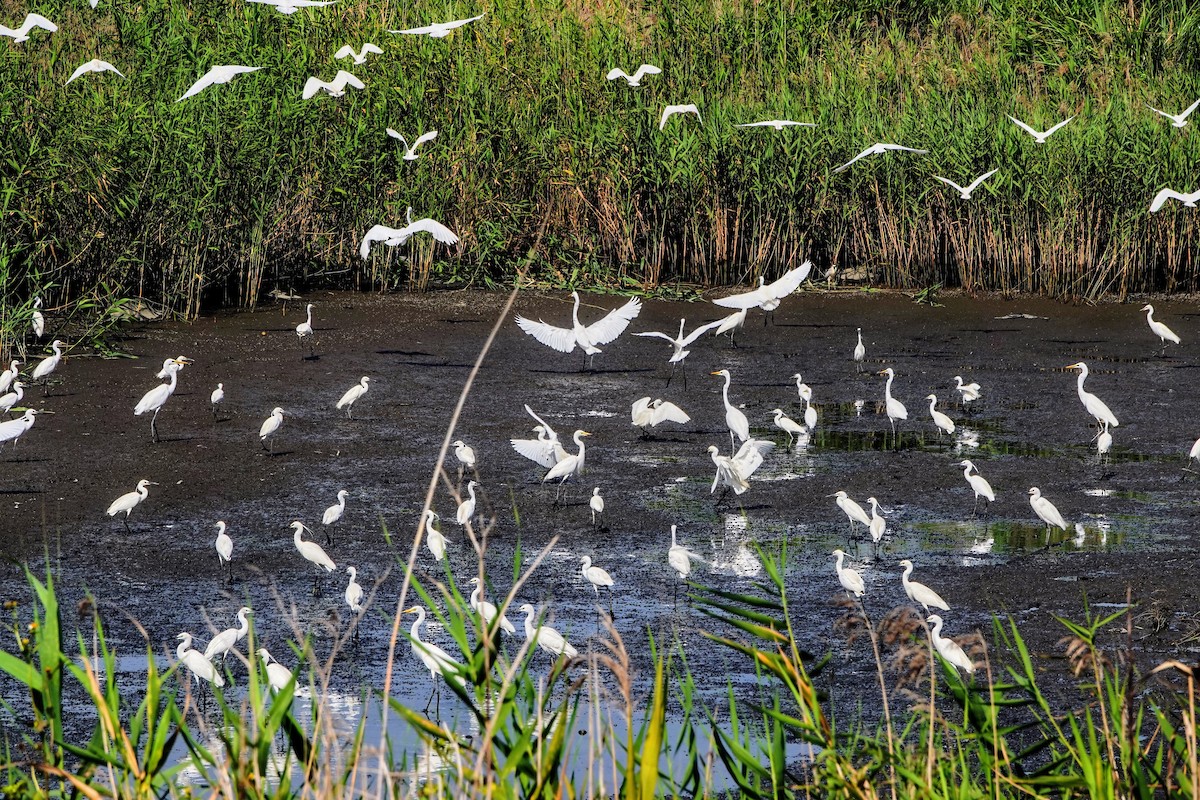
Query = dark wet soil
x=1137 y=510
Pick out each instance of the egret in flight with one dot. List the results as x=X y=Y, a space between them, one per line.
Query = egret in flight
x=334 y=88
x=588 y=338
x=645 y=413
x=227 y=639
x=410 y=151
x=32 y=21
x=965 y=192
x=1177 y=120
x=768 y=295
x=269 y=427
x=735 y=472
x=919 y=592
x=895 y=409
x=879 y=149
x=95 y=65
x=435 y=659
x=127 y=501
x=735 y=418
x=47 y=365
x=1094 y=405
x=685 y=108
x=1160 y=330
x=679 y=345
x=221 y=74
x=777 y=124
x=849 y=578
x=545 y=637
x=1045 y=510
x=292 y=6
x=352 y=395
x=439 y=30
x=636 y=78
x=1160 y=199
x=1038 y=136
x=948 y=648
x=978 y=484
x=359 y=56
x=393 y=237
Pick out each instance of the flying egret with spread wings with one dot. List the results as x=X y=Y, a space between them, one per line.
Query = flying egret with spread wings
x=360 y=57
x=650 y=414
x=32 y=21
x=588 y=338
x=736 y=472
x=777 y=124
x=1164 y=195
x=333 y=88
x=410 y=150
x=670 y=111
x=1038 y=136
x=397 y=236
x=292 y=6
x=636 y=78
x=1177 y=120
x=220 y=74
x=965 y=192
x=95 y=65
x=768 y=295
x=439 y=30
x=680 y=344
x=878 y=149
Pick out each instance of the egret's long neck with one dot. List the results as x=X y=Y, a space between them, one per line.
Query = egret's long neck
x=529 y=624
x=839 y=561
x=932 y=403
x=296 y=536
x=937 y=630
x=575 y=310
x=416 y=626
x=310 y=316
x=475 y=595
x=1079 y=381
x=681 y=328
x=907 y=571
x=725 y=391
x=143 y=491
x=887 y=387
x=174 y=377
x=243 y=623
x=54 y=347
x=471 y=491
x=183 y=647
x=672 y=536
x=579 y=441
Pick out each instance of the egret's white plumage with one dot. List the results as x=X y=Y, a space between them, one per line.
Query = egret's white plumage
x=878 y=524
x=352 y=395
x=968 y=392
x=156 y=398
x=680 y=343
x=32 y=21
x=466 y=509
x=227 y=639
x=645 y=412
x=802 y=388
x=851 y=509
x=393 y=237
x=895 y=409
x=965 y=192
x=13 y=429
x=434 y=539
x=948 y=648
x=1038 y=136
x=919 y=592
x=333 y=88
x=596 y=504
x=217 y=397
x=546 y=637
x=685 y=108
x=435 y=659
x=787 y=425
x=464 y=453
x=735 y=472
x=223 y=544
x=572 y=465
x=10 y=399
x=978 y=483
x=311 y=550
x=195 y=662
x=354 y=592
x=636 y=78
x=768 y=293
x=680 y=558
x=732 y=323
x=278 y=676
x=735 y=418
x=1177 y=120
x=50 y=363
x=360 y=55
x=305 y=329
x=860 y=351
x=588 y=338
x=546 y=449
x=127 y=501
x=439 y=30
x=943 y=422
x=95 y=65
x=849 y=578
x=335 y=511
x=810 y=414
x=1194 y=453
x=879 y=149
x=270 y=425
x=594 y=575
x=1164 y=195
x=1104 y=441
x=1094 y=405
x=410 y=150
x=220 y=74
x=1045 y=509
x=777 y=124
x=292 y=6
x=488 y=611
x=9 y=375
x=1160 y=330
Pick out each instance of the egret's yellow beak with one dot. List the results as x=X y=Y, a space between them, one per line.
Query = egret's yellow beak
x=714 y=373
x=412 y=610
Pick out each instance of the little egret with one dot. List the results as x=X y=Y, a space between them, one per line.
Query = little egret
x=1160 y=330
x=13 y=429
x=393 y=237
x=487 y=611
x=48 y=365
x=359 y=56
x=804 y=390
x=679 y=345
x=878 y=524
x=439 y=30
x=278 y=676
x=895 y=409
x=1177 y=120
x=978 y=483
x=596 y=576
x=410 y=150
x=334 y=88
x=465 y=455
x=588 y=338
x=777 y=124
x=334 y=513
x=546 y=637
x=221 y=74
x=156 y=398
x=216 y=398
x=768 y=295
x=571 y=466
x=636 y=78
x=7 y=401
x=97 y=66
x=305 y=330
x=943 y=422
x=1160 y=199
x=311 y=551
x=646 y=413
x=1103 y=442
x=787 y=425
x=546 y=449
x=1094 y=405
x=683 y=108
x=967 y=392
x=435 y=659
x=292 y=6
x=1045 y=510
x=860 y=352
x=227 y=639
x=735 y=419
x=810 y=414
x=1038 y=136
x=354 y=592
x=32 y=21
x=351 y=396
x=269 y=427
x=849 y=578
x=9 y=375
x=731 y=324
x=735 y=472
x=680 y=559
x=466 y=509
x=433 y=537
x=596 y=504
x=853 y=511
x=1194 y=453
x=965 y=192
x=224 y=547
x=919 y=592
x=195 y=662
x=127 y=501
x=36 y=320
x=879 y=149
x=948 y=648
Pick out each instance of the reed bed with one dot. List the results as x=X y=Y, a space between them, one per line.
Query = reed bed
x=109 y=184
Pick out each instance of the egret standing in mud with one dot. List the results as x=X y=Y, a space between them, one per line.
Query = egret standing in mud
x=948 y=648
x=735 y=418
x=305 y=330
x=895 y=409
x=1094 y=405
x=466 y=509
x=1160 y=330
x=333 y=514
x=545 y=637
x=269 y=427
x=465 y=455
x=433 y=537
x=919 y=592
x=979 y=485
x=596 y=503
x=680 y=559
x=1045 y=510
x=860 y=353
x=47 y=365
x=597 y=577
x=571 y=466
x=216 y=398
x=849 y=578
x=352 y=395
x=129 y=500
x=227 y=639
x=224 y=547
x=312 y=552
x=156 y=398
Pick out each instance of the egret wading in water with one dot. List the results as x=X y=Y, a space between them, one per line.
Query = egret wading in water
x=943 y=422
x=1045 y=510
x=354 y=594
x=789 y=426
x=127 y=501
x=853 y=511
x=680 y=559
x=967 y=392
x=47 y=366
x=466 y=509
x=978 y=484
x=569 y=467
x=156 y=398
x=269 y=427
x=216 y=398
x=735 y=419
x=587 y=338
x=597 y=577
x=1094 y=405
x=333 y=514
x=849 y=578
x=1103 y=443
x=435 y=659
x=860 y=353
x=312 y=553
x=195 y=662
x=465 y=455
x=224 y=547
x=1160 y=330
x=488 y=611
x=545 y=637
x=895 y=409
x=919 y=592
x=948 y=648
x=878 y=523
x=352 y=395
x=278 y=676
x=227 y=639
x=305 y=330
x=596 y=504
x=433 y=537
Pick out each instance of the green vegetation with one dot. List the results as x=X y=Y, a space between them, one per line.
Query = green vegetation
x=244 y=188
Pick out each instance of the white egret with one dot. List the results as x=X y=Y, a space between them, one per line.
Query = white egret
x=1194 y=453
x=488 y=611
x=545 y=637
x=410 y=150
x=804 y=390
x=311 y=551
x=9 y=375
x=735 y=472
x=196 y=663
x=1094 y=405
x=680 y=559
x=465 y=455
x=439 y=30
x=305 y=330
x=278 y=676
x=685 y=108
x=1177 y=120
x=588 y=338
x=466 y=509
x=878 y=524
x=895 y=409
x=735 y=419
x=1160 y=199
x=1160 y=330
x=95 y=65
x=36 y=320
x=1038 y=136
x=546 y=449
x=978 y=483
x=47 y=365
x=156 y=398
x=354 y=592
x=32 y=21
x=879 y=149
x=224 y=547
x=810 y=414
x=434 y=539
x=948 y=648
x=1104 y=442
x=334 y=513
x=679 y=345
x=596 y=503
x=352 y=395
x=333 y=88
x=646 y=413
x=292 y=6
x=129 y=500
x=860 y=352
x=636 y=78
x=965 y=192
x=967 y=392
x=13 y=429
x=777 y=124
x=853 y=511
x=919 y=592
x=393 y=237
x=216 y=398
x=1045 y=510
x=227 y=639
x=849 y=578
x=732 y=324
x=435 y=659
x=219 y=74
x=789 y=426
x=360 y=55
x=943 y=422
x=768 y=295
x=596 y=576
x=10 y=399
x=270 y=426
x=571 y=466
